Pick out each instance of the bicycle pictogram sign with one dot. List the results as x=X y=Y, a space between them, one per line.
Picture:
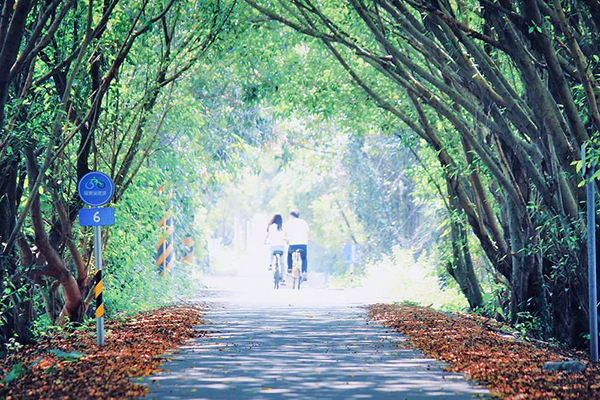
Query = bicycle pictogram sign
x=95 y=183
x=95 y=188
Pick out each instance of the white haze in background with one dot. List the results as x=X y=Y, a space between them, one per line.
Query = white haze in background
x=398 y=277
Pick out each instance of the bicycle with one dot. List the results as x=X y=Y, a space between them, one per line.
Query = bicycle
x=278 y=273
x=296 y=269
x=94 y=182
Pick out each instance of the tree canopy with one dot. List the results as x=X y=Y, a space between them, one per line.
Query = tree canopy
x=505 y=95
x=446 y=127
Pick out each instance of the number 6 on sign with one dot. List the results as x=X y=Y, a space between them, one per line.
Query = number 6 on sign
x=96 y=216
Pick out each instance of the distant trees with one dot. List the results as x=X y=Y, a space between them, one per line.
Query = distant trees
x=382 y=192
x=505 y=93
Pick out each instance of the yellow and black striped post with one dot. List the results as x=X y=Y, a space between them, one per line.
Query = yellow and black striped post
x=160 y=255
x=189 y=257
x=98 y=286
x=165 y=254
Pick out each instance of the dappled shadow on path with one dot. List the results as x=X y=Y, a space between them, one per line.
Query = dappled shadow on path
x=283 y=350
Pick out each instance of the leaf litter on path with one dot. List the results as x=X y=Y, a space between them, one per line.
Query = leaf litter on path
x=71 y=366
x=510 y=368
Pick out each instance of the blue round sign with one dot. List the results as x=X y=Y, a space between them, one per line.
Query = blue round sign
x=95 y=188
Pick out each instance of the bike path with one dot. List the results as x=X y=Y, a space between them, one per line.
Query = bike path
x=295 y=345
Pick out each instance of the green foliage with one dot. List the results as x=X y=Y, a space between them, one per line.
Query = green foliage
x=16 y=371
x=494 y=299
x=271 y=108
x=66 y=356
x=142 y=120
x=529 y=325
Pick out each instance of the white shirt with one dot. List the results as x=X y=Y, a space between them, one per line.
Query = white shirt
x=296 y=231
x=275 y=236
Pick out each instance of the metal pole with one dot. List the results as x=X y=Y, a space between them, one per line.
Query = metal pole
x=98 y=287
x=591 y=257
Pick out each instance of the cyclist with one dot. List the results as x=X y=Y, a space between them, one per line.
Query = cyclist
x=296 y=233
x=275 y=239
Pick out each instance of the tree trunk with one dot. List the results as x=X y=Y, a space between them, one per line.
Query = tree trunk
x=461 y=266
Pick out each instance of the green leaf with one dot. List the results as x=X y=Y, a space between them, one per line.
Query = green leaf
x=16 y=371
x=66 y=355
x=36 y=362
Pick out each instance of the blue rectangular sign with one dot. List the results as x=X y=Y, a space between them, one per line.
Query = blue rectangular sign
x=96 y=216
x=351 y=253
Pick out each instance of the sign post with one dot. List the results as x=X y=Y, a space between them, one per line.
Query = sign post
x=96 y=189
x=591 y=255
x=351 y=255
x=98 y=284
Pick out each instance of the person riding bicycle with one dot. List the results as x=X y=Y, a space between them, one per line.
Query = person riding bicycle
x=296 y=233
x=275 y=238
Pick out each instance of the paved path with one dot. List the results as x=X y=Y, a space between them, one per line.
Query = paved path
x=268 y=347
